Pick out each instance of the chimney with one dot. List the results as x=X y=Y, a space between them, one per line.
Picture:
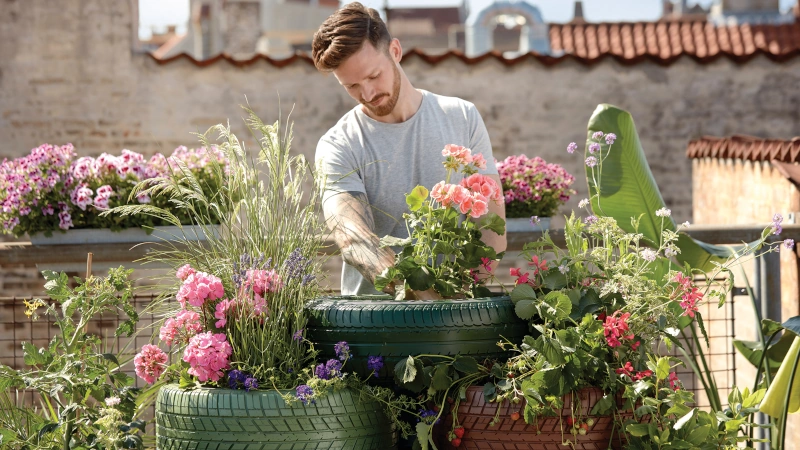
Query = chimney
x=578 y=15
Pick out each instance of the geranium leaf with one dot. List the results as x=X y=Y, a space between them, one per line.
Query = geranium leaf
x=420 y=279
x=416 y=197
x=492 y=221
x=522 y=292
x=465 y=364
x=410 y=371
x=525 y=309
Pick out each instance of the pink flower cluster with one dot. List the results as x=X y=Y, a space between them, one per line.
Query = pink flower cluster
x=263 y=281
x=150 y=363
x=207 y=355
x=181 y=328
x=199 y=287
x=51 y=181
x=628 y=370
x=525 y=180
x=35 y=182
x=615 y=328
x=690 y=294
x=471 y=196
x=461 y=156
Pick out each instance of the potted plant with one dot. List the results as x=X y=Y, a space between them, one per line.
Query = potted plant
x=533 y=191
x=50 y=191
x=599 y=310
x=83 y=399
x=443 y=253
x=244 y=375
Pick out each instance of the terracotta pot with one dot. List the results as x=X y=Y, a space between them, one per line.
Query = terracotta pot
x=546 y=434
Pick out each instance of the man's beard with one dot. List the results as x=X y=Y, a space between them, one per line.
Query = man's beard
x=388 y=107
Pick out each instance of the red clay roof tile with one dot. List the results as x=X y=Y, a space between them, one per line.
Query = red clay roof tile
x=628 y=43
x=746 y=148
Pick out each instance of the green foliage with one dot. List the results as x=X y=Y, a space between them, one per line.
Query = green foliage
x=72 y=376
x=266 y=212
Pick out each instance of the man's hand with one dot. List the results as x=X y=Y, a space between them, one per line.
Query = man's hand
x=352 y=225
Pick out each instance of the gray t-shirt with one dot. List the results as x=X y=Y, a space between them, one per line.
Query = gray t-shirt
x=387 y=160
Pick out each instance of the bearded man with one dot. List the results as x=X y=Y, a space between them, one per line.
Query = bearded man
x=386 y=145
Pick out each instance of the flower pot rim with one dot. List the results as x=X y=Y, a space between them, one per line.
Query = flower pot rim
x=383 y=298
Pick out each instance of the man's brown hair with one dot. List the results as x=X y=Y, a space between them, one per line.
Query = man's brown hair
x=344 y=33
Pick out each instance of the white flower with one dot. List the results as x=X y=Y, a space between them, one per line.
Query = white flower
x=112 y=401
x=583 y=203
x=669 y=252
x=563 y=269
x=664 y=212
x=649 y=254
x=685 y=224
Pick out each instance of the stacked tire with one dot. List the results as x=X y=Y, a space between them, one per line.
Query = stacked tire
x=225 y=419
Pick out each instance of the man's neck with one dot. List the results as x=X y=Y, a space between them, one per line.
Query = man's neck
x=408 y=104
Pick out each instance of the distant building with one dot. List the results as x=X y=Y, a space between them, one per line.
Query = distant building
x=243 y=28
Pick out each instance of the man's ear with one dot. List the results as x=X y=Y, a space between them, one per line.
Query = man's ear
x=395 y=50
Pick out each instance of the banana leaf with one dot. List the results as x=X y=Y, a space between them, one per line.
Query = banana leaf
x=629 y=190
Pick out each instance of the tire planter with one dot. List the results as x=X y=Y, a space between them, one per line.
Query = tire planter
x=475 y=415
x=224 y=419
x=397 y=329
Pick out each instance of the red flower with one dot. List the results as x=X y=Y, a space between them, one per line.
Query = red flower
x=615 y=328
x=643 y=374
x=636 y=345
x=627 y=369
x=487 y=264
x=538 y=265
x=522 y=278
x=689 y=303
x=602 y=316
x=674 y=382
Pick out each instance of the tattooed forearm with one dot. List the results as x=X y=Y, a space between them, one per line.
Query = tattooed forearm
x=351 y=222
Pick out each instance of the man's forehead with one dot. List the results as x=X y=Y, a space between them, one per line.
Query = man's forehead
x=359 y=66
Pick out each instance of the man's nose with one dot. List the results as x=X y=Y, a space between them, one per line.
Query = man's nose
x=368 y=93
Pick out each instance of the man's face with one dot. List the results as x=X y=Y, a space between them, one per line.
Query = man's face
x=372 y=78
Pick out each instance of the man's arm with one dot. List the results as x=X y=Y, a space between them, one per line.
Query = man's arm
x=350 y=220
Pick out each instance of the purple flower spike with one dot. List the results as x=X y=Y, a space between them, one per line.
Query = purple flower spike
x=597 y=135
x=610 y=138
x=594 y=147
x=375 y=364
x=591 y=161
x=789 y=243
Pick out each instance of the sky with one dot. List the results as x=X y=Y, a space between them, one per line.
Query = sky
x=157 y=14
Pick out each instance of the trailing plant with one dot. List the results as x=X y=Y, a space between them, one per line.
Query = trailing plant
x=84 y=399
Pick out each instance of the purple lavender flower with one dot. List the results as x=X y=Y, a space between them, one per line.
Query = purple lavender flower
x=322 y=372
x=428 y=416
x=342 y=350
x=610 y=138
x=334 y=368
x=776 y=224
x=298 y=335
x=303 y=393
x=375 y=364
x=250 y=383
x=535 y=220
x=594 y=147
x=591 y=161
x=597 y=135
x=296 y=264
x=788 y=243
x=307 y=279
x=572 y=147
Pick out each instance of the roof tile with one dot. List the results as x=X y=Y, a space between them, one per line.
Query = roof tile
x=746 y=148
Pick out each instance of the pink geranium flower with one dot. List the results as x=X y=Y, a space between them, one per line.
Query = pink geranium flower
x=150 y=363
x=207 y=355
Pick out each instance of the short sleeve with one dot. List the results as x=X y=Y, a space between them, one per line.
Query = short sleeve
x=479 y=140
x=340 y=168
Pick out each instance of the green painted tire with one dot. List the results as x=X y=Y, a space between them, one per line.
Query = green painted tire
x=395 y=329
x=225 y=419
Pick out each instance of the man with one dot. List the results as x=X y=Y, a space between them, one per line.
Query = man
x=386 y=145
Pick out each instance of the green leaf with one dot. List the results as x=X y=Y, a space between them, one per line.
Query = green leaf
x=628 y=188
x=441 y=380
x=409 y=371
x=662 y=368
x=680 y=444
x=420 y=279
x=555 y=280
x=522 y=292
x=685 y=419
x=604 y=406
x=111 y=357
x=32 y=355
x=525 y=309
x=753 y=351
x=423 y=433
x=48 y=428
x=489 y=392
x=391 y=241
x=492 y=221
x=6 y=435
x=699 y=435
x=551 y=349
x=754 y=398
x=558 y=306
x=416 y=198
x=465 y=364
x=793 y=325
x=638 y=429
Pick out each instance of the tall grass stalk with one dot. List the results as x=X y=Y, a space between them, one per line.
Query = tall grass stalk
x=264 y=211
